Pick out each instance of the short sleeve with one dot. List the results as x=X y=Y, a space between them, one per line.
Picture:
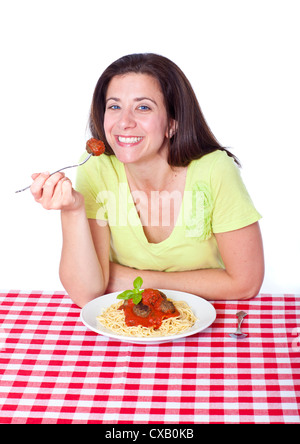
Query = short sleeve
x=88 y=183
x=232 y=205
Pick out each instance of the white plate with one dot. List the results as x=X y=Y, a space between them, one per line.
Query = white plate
x=203 y=310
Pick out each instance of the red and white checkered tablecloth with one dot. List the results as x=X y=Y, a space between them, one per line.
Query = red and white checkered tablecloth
x=54 y=370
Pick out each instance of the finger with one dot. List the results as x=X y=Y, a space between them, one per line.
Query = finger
x=67 y=190
x=71 y=198
x=50 y=198
x=67 y=184
x=59 y=189
x=54 y=200
x=64 y=195
x=37 y=186
x=50 y=185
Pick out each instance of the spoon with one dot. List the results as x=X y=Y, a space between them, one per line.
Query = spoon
x=239 y=334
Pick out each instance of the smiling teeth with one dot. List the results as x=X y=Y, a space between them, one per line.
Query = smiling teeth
x=129 y=139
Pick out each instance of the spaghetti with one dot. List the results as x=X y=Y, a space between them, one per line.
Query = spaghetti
x=113 y=318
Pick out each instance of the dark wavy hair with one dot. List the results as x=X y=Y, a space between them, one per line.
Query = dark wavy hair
x=193 y=137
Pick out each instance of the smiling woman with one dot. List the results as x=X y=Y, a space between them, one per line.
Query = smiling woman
x=193 y=138
x=160 y=157
x=135 y=117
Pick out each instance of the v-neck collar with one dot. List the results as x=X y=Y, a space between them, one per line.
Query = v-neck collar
x=139 y=226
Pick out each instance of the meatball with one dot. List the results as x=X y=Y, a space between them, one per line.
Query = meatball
x=167 y=306
x=162 y=294
x=141 y=310
x=95 y=147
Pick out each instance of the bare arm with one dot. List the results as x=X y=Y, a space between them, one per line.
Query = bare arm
x=242 y=254
x=84 y=268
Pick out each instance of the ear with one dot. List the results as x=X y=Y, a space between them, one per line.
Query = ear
x=172 y=129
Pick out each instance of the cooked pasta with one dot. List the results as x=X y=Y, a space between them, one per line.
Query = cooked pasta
x=114 y=319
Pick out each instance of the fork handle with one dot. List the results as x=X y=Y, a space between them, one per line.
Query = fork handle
x=240 y=316
x=73 y=166
x=61 y=169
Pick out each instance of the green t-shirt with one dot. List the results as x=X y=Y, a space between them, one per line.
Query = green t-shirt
x=215 y=200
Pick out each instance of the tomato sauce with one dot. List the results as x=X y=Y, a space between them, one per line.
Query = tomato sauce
x=153 y=299
x=95 y=147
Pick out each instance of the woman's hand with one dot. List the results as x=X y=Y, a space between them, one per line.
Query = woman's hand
x=55 y=192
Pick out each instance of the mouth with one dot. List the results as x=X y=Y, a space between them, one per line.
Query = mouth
x=122 y=140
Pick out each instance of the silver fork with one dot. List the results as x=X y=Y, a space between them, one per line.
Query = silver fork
x=239 y=334
x=61 y=169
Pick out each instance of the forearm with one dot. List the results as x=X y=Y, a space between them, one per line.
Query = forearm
x=211 y=284
x=242 y=253
x=80 y=270
x=83 y=269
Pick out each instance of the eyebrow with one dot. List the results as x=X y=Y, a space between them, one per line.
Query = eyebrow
x=137 y=99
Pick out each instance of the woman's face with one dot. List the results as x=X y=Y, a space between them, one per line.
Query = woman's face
x=135 y=120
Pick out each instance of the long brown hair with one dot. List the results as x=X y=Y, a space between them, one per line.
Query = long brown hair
x=193 y=137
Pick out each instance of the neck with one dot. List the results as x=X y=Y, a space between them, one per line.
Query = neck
x=158 y=176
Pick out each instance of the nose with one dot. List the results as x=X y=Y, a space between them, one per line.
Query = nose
x=127 y=119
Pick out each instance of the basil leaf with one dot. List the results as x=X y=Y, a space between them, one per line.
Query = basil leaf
x=127 y=294
x=137 y=298
x=138 y=282
x=135 y=294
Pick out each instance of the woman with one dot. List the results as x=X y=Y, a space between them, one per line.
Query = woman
x=165 y=201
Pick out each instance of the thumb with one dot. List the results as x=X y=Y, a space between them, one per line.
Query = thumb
x=34 y=176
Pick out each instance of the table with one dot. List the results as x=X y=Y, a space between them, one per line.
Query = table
x=54 y=370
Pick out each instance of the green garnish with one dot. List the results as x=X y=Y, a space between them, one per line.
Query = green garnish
x=135 y=294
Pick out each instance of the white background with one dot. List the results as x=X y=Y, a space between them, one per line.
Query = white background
x=242 y=58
